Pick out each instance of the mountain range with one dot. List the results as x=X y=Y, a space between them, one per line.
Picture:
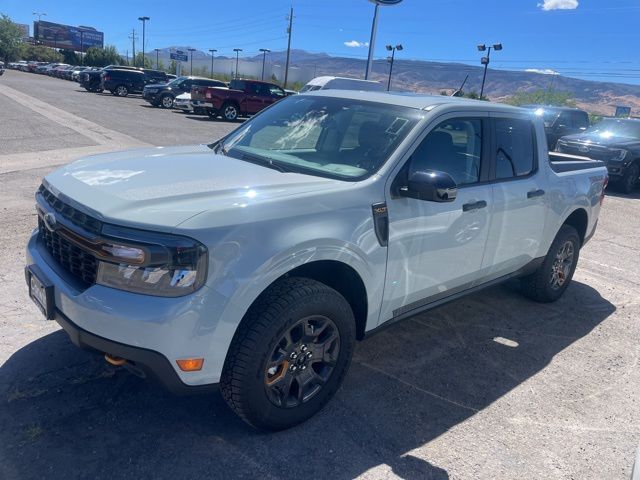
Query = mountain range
x=436 y=77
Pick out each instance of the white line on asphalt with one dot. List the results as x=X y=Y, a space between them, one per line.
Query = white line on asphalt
x=106 y=139
x=411 y=385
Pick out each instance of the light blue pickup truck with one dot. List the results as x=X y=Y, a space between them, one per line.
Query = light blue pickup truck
x=255 y=263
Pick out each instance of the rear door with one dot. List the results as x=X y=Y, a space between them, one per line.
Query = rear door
x=254 y=102
x=519 y=196
x=436 y=249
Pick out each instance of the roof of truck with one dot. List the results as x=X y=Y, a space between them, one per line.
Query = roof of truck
x=414 y=100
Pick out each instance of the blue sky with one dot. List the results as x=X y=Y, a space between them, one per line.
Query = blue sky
x=591 y=39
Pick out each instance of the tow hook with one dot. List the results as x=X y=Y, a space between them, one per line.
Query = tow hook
x=121 y=362
x=115 y=361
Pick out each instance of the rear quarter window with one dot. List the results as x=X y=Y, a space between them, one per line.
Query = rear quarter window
x=515 y=148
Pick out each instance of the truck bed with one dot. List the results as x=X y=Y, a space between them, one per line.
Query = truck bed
x=563 y=162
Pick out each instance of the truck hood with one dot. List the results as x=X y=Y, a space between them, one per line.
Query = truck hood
x=597 y=139
x=159 y=188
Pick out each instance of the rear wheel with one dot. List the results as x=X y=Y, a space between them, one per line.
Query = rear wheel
x=548 y=283
x=166 y=101
x=630 y=178
x=121 y=91
x=289 y=355
x=230 y=112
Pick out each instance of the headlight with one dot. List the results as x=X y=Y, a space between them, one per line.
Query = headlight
x=560 y=146
x=172 y=267
x=618 y=154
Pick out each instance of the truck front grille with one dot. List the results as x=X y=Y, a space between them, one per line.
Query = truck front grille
x=72 y=258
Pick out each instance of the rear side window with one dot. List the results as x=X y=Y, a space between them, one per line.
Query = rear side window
x=515 y=148
x=580 y=120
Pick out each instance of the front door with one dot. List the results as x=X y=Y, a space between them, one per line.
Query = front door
x=436 y=249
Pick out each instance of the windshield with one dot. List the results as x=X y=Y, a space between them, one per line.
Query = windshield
x=176 y=82
x=331 y=137
x=548 y=116
x=611 y=127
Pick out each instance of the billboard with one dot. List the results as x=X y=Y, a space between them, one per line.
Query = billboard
x=57 y=35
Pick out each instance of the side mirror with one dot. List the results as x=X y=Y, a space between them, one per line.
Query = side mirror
x=430 y=185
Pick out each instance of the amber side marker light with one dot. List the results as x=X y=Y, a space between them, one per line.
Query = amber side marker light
x=190 y=364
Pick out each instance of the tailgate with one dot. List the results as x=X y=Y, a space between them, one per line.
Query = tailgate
x=198 y=93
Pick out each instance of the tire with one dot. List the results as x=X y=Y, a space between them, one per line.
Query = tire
x=261 y=364
x=166 y=101
x=551 y=279
x=121 y=91
x=230 y=112
x=630 y=179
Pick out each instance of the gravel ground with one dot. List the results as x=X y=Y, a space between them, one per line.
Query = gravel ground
x=441 y=395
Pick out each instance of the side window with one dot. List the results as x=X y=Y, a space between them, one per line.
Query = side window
x=515 y=148
x=276 y=91
x=454 y=147
x=564 y=120
x=581 y=120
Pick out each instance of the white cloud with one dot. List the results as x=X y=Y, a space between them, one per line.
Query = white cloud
x=559 y=5
x=356 y=44
x=542 y=71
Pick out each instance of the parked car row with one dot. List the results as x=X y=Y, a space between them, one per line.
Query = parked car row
x=615 y=141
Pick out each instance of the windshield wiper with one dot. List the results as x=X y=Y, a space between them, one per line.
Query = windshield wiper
x=265 y=162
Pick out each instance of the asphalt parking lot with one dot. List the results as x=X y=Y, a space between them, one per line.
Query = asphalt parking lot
x=490 y=386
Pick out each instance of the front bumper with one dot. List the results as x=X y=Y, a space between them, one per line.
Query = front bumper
x=150 y=97
x=150 y=364
x=152 y=332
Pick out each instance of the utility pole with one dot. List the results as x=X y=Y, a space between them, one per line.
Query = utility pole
x=81 y=47
x=212 y=51
x=264 y=58
x=132 y=36
x=144 y=22
x=286 y=68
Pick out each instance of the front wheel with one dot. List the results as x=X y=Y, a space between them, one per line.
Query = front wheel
x=551 y=279
x=166 y=101
x=290 y=354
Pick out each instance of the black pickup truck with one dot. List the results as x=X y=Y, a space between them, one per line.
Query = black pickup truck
x=616 y=142
x=560 y=121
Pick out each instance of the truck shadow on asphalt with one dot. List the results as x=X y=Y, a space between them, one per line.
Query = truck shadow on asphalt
x=67 y=414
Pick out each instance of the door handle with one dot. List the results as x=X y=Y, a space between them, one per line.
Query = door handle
x=467 y=207
x=535 y=193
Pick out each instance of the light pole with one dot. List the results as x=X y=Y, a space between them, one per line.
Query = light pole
x=264 y=57
x=191 y=50
x=237 y=50
x=157 y=62
x=40 y=15
x=374 y=28
x=81 y=46
x=144 y=22
x=213 y=51
x=390 y=59
x=485 y=61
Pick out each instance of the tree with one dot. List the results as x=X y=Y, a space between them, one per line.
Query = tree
x=142 y=61
x=39 y=53
x=70 y=57
x=542 y=97
x=10 y=39
x=101 y=57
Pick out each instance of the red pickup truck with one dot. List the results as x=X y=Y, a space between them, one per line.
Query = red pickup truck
x=242 y=98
